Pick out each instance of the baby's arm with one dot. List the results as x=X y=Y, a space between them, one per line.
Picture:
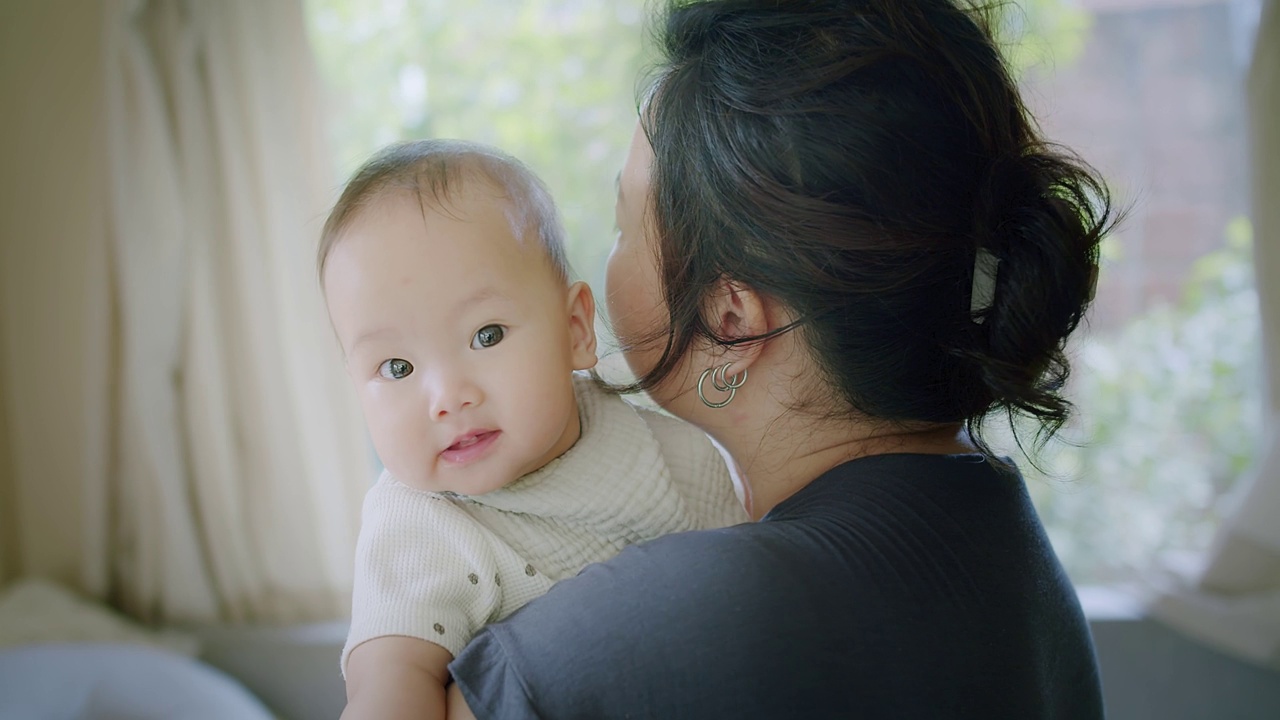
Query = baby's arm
x=397 y=677
x=424 y=569
x=458 y=708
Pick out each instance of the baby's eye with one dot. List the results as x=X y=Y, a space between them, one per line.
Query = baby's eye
x=488 y=336
x=395 y=369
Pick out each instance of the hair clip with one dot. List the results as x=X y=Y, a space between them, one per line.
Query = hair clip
x=983 y=292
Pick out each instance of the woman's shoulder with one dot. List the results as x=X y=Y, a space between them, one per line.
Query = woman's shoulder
x=764 y=619
x=632 y=631
x=817 y=610
x=686 y=585
x=889 y=535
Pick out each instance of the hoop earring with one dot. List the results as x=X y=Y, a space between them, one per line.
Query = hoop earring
x=721 y=383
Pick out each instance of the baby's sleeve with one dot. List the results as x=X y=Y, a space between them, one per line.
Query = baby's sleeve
x=424 y=569
x=698 y=470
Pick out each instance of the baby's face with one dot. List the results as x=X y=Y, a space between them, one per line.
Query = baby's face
x=460 y=341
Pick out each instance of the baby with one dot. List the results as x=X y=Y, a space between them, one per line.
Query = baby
x=444 y=272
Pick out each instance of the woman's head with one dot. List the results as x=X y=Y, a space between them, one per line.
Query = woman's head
x=849 y=160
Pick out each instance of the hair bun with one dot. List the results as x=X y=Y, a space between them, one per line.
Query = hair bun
x=1043 y=216
x=1006 y=192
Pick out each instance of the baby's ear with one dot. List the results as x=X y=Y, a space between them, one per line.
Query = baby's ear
x=582 y=326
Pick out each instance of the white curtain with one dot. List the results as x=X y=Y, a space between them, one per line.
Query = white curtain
x=237 y=462
x=1234 y=604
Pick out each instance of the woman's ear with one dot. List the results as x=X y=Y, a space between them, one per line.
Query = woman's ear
x=735 y=311
x=582 y=326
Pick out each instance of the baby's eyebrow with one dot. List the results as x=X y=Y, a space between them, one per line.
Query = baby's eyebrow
x=371 y=336
x=484 y=294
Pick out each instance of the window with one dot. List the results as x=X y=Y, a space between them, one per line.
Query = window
x=550 y=81
x=1167 y=372
x=1149 y=91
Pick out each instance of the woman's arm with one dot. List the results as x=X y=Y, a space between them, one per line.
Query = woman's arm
x=397 y=677
x=642 y=634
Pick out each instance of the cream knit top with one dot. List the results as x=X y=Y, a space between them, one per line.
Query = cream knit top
x=439 y=566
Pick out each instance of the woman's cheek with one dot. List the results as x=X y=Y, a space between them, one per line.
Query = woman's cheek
x=615 y=294
x=635 y=310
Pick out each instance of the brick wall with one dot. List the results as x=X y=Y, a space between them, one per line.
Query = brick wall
x=1156 y=102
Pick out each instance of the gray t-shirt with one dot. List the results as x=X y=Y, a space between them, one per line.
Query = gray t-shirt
x=894 y=586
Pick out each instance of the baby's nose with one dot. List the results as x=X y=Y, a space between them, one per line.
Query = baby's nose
x=452 y=396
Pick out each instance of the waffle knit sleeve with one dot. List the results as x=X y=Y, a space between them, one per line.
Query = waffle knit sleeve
x=424 y=569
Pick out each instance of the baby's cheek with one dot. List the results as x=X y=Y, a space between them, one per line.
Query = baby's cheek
x=397 y=441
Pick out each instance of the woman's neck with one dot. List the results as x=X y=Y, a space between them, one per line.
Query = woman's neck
x=777 y=450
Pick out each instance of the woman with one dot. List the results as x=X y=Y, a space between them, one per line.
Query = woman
x=842 y=245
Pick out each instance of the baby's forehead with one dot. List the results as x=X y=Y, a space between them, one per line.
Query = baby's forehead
x=507 y=236
x=479 y=181
x=473 y=193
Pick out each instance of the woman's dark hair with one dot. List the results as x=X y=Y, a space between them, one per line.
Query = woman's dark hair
x=849 y=159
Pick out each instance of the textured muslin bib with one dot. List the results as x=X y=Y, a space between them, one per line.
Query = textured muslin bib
x=438 y=566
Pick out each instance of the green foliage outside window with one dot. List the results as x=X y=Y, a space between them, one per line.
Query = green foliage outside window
x=1168 y=419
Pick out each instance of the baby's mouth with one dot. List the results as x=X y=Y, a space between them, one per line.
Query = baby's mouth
x=470 y=446
x=471 y=439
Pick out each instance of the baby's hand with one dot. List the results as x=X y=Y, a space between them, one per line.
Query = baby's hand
x=398 y=677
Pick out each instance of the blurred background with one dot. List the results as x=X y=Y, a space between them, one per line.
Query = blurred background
x=1151 y=92
x=178 y=445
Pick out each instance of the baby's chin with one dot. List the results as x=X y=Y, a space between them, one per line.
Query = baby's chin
x=477 y=484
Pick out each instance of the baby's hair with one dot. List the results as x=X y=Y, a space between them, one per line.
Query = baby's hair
x=432 y=170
